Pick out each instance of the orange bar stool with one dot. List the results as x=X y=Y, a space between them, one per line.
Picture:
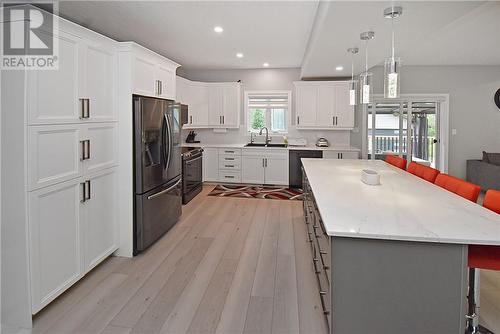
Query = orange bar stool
x=396 y=161
x=458 y=186
x=423 y=172
x=481 y=257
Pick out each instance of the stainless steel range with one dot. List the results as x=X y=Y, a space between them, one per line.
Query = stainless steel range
x=192 y=172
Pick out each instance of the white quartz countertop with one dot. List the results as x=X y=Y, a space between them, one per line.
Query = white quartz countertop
x=343 y=148
x=402 y=207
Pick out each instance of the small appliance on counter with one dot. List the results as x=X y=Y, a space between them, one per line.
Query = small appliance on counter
x=191 y=137
x=322 y=142
x=297 y=142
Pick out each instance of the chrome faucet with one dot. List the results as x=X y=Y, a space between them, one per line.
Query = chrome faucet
x=267 y=134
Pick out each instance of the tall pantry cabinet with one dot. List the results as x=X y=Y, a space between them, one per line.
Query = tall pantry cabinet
x=62 y=126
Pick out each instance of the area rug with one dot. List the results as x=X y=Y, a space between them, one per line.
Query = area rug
x=225 y=190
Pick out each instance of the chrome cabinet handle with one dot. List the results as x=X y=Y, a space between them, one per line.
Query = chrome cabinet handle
x=223 y=120
x=230 y=159
x=84 y=108
x=85 y=149
x=84 y=192
x=298 y=120
x=190 y=119
x=232 y=166
x=228 y=151
x=263 y=165
x=87 y=183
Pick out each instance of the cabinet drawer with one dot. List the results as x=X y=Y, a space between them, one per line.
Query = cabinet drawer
x=229 y=151
x=229 y=176
x=230 y=165
x=230 y=159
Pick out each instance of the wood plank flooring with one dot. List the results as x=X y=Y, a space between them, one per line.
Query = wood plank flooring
x=231 y=265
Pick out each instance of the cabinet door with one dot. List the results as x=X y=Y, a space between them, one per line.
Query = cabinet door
x=343 y=110
x=231 y=105
x=144 y=77
x=210 y=165
x=252 y=169
x=55 y=239
x=54 y=154
x=307 y=106
x=215 y=105
x=53 y=95
x=102 y=147
x=276 y=171
x=101 y=232
x=326 y=107
x=99 y=82
x=198 y=110
x=166 y=75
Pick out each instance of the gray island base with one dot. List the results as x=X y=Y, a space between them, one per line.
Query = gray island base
x=396 y=287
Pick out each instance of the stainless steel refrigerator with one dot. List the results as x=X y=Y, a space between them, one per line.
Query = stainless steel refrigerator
x=157 y=168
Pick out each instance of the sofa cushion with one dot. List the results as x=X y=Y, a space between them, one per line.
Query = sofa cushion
x=492 y=158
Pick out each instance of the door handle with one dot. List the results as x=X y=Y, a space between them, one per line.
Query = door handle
x=263 y=163
x=84 y=192
x=223 y=120
x=161 y=86
x=89 y=196
x=298 y=120
x=266 y=161
x=165 y=190
x=169 y=142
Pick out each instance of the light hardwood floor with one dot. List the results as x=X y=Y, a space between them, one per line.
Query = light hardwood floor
x=231 y=265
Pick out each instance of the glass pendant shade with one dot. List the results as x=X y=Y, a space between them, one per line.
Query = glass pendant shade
x=366 y=87
x=392 y=78
x=353 y=87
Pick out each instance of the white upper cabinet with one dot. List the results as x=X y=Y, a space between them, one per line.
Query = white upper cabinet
x=323 y=105
x=53 y=94
x=210 y=105
x=152 y=74
x=81 y=89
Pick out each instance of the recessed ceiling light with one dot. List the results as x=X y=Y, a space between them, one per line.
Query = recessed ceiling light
x=218 y=29
x=339 y=68
x=239 y=55
x=265 y=64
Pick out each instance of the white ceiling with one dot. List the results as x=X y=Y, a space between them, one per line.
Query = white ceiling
x=298 y=33
x=272 y=32
x=428 y=33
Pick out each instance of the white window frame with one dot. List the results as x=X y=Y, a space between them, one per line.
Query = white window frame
x=288 y=111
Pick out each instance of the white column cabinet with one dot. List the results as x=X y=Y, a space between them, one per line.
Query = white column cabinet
x=215 y=106
x=323 y=105
x=166 y=77
x=55 y=240
x=144 y=76
x=100 y=224
x=102 y=147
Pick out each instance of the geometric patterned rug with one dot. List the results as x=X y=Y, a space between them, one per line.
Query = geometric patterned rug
x=285 y=193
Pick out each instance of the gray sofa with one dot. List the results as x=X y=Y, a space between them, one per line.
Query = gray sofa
x=485 y=173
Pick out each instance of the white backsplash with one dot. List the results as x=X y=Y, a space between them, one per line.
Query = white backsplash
x=240 y=136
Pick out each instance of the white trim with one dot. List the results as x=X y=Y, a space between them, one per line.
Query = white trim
x=288 y=93
x=444 y=121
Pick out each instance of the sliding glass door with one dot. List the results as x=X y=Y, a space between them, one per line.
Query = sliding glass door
x=405 y=128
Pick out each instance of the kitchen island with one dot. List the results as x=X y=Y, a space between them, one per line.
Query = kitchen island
x=390 y=258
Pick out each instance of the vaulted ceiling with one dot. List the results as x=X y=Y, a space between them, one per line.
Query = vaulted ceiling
x=310 y=35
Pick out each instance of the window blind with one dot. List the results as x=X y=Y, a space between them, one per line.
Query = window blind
x=268 y=101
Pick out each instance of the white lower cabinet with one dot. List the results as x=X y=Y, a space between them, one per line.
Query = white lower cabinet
x=210 y=164
x=252 y=169
x=340 y=155
x=265 y=166
x=72 y=227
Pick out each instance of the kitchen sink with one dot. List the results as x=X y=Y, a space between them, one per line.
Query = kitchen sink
x=264 y=145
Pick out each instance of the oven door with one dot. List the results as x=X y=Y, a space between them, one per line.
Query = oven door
x=193 y=173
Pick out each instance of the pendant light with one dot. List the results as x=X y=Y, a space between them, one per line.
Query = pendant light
x=353 y=84
x=366 y=78
x=392 y=67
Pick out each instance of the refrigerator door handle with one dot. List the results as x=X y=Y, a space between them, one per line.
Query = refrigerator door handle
x=169 y=135
x=165 y=190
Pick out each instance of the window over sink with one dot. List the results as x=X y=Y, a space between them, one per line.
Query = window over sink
x=267 y=109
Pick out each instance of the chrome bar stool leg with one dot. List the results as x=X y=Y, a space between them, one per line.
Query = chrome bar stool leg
x=473 y=301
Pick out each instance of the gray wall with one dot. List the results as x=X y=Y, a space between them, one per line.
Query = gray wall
x=472 y=110
x=258 y=79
